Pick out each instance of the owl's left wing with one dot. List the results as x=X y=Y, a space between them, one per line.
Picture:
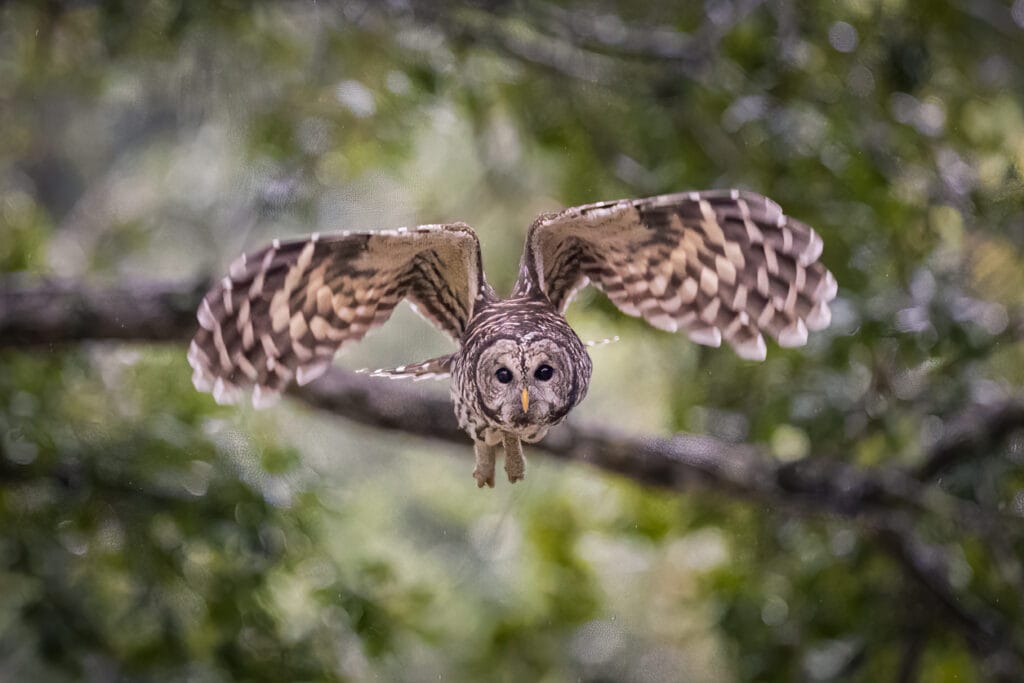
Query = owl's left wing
x=283 y=311
x=719 y=264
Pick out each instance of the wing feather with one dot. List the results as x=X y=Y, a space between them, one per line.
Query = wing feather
x=722 y=264
x=283 y=311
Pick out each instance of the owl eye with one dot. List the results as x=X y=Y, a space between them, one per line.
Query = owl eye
x=544 y=373
x=504 y=375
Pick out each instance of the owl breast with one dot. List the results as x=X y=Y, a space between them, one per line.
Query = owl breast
x=520 y=369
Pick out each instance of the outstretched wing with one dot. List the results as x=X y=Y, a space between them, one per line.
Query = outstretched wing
x=719 y=264
x=283 y=311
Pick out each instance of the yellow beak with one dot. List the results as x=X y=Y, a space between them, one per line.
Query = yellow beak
x=526 y=400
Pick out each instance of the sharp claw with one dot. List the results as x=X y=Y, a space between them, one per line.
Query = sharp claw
x=482 y=479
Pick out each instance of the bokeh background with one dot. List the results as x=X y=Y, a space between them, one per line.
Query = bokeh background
x=147 y=534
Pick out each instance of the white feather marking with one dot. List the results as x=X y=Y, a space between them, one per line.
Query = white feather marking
x=247 y=336
x=301 y=351
x=733 y=327
x=770 y=260
x=269 y=347
x=790 y=304
x=320 y=328
x=201 y=381
x=243 y=315
x=794 y=334
x=710 y=311
x=196 y=357
x=708 y=282
x=762 y=282
x=726 y=271
x=688 y=291
x=706 y=336
x=664 y=322
x=222 y=349
x=237 y=267
x=264 y=398
x=297 y=326
x=243 y=363
x=672 y=305
x=828 y=288
x=813 y=250
x=754 y=233
x=734 y=252
x=820 y=316
x=224 y=393
x=205 y=316
x=739 y=302
x=279 y=312
x=753 y=349
x=310 y=371
x=658 y=284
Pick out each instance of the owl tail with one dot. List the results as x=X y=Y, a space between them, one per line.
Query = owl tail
x=435 y=368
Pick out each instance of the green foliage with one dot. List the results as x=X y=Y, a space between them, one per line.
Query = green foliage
x=146 y=534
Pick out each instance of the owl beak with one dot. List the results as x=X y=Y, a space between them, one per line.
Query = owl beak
x=526 y=400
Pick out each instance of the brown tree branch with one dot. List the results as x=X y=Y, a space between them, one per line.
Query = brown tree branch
x=59 y=312
x=973 y=433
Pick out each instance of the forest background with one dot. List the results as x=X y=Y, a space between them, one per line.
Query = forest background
x=850 y=511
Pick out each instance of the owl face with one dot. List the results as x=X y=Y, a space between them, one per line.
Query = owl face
x=527 y=382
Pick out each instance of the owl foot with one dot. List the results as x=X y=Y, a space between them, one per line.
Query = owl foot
x=483 y=477
x=515 y=463
x=484 y=470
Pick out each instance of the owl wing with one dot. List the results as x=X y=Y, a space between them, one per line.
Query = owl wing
x=719 y=264
x=283 y=311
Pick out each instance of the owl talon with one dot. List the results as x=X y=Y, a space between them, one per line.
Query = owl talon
x=483 y=478
x=484 y=470
x=515 y=463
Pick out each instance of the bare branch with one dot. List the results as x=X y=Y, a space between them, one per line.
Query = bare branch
x=61 y=311
x=58 y=312
x=974 y=433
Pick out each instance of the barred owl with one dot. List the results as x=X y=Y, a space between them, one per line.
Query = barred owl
x=718 y=265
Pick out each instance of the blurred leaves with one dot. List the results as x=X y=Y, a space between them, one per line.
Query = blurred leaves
x=147 y=534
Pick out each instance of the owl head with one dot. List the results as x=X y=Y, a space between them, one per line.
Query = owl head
x=532 y=380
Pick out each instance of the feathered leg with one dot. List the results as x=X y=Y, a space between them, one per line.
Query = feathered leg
x=515 y=462
x=485 y=457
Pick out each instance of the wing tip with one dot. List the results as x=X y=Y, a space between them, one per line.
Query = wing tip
x=310 y=371
x=706 y=336
x=753 y=349
x=793 y=335
x=820 y=316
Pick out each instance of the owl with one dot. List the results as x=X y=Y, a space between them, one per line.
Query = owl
x=723 y=264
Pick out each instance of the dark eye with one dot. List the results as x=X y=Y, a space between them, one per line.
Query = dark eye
x=544 y=373
x=504 y=375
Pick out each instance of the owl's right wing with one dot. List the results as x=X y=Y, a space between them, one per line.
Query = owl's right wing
x=283 y=311
x=719 y=264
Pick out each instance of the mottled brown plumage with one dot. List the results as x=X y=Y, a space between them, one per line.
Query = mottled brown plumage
x=719 y=265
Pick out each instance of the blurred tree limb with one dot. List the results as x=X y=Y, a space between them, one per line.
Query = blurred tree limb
x=59 y=312
x=44 y=314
